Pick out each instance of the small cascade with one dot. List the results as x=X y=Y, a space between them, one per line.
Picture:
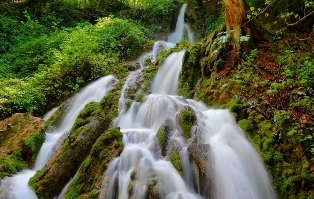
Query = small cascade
x=170 y=68
x=189 y=32
x=181 y=29
x=16 y=187
x=178 y=34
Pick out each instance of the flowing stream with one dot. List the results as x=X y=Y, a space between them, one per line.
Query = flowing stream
x=16 y=187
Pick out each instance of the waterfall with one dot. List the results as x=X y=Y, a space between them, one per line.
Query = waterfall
x=217 y=159
x=16 y=187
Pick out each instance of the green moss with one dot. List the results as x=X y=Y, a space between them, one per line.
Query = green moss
x=10 y=165
x=190 y=72
x=109 y=101
x=139 y=97
x=281 y=119
x=246 y=125
x=175 y=160
x=236 y=107
x=186 y=119
x=162 y=136
x=32 y=145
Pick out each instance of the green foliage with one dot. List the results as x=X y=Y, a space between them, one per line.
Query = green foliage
x=155 y=14
x=154 y=9
x=9 y=30
x=30 y=56
x=300 y=66
x=53 y=66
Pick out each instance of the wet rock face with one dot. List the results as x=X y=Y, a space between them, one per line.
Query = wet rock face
x=152 y=188
x=199 y=156
x=20 y=138
x=49 y=181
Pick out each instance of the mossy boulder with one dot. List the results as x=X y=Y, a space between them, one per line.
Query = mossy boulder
x=21 y=137
x=87 y=183
x=186 y=120
x=162 y=137
x=90 y=124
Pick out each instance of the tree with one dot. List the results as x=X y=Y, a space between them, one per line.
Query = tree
x=235 y=11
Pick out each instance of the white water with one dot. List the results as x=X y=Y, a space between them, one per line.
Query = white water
x=16 y=187
x=163 y=82
x=238 y=171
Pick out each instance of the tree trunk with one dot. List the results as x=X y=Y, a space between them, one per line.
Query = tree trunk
x=235 y=19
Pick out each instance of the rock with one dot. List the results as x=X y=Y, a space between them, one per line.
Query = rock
x=202 y=173
x=152 y=191
x=134 y=66
x=186 y=119
x=91 y=180
x=21 y=137
x=49 y=181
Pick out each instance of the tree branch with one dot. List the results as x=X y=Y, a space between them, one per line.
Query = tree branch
x=259 y=13
x=292 y=24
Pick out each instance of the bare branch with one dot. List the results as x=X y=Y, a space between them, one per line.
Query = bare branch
x=302 y=39
x=292 y=24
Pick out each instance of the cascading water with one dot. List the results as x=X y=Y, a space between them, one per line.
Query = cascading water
x=171 y=68
x=181 y=27
x=16 y=187
x=217 y=159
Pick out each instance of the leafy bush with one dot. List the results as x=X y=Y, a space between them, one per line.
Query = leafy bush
x=51 y=67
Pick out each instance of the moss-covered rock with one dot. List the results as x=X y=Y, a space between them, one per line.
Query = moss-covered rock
x=87 y=183
x=21 y=137
x=90 y=124
x=186 y=120
x=176 y=161
x=162 y=137
x=109 y=103
x=191 y=71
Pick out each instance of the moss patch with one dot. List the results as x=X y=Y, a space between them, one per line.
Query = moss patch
x=162 y=136
x=176 y=161
x=186 y=120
